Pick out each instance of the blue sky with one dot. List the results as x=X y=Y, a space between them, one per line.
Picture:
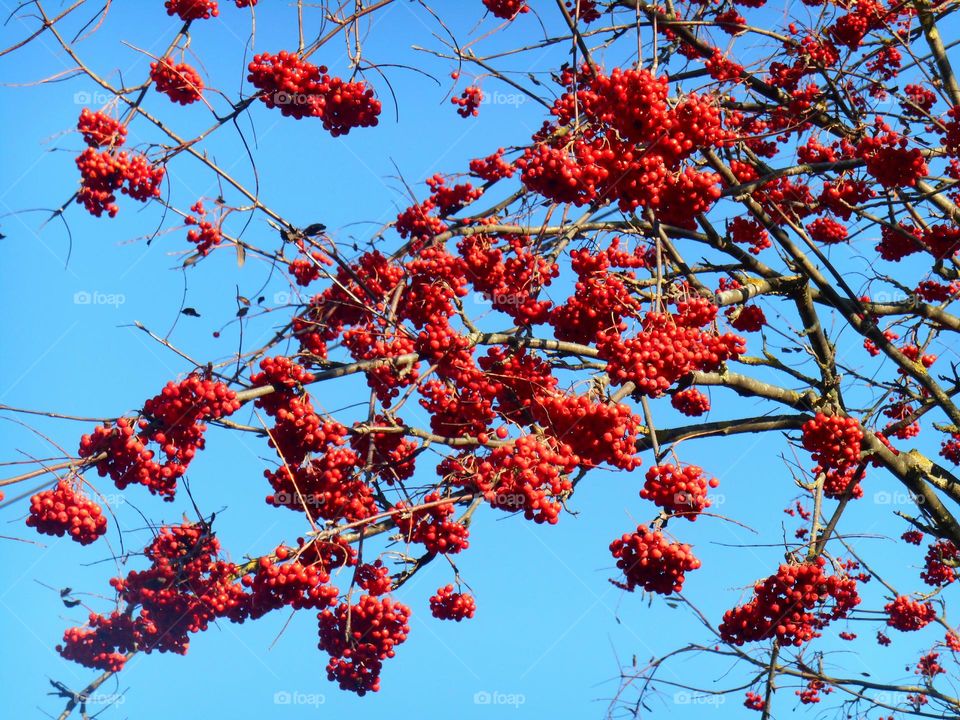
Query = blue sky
x=550 y=632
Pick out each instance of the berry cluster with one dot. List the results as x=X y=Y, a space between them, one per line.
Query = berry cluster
x=100 y=130
x=909 y=615
x=530 y=475
x=506 y=9
x=690 y=402
x=62 y=510
x=359 y=638
x=301 y=89
x=432 y=526
x=275 y=585
x=754 y=701
x=449 y=605
x=468 y=102
x=791 y=605
x=620 y=148
x=748 y=318
x=749 y=232
x=940 y=563
x=889 y=160
x=103 y=173
x=179 y=82
x=650 y=561
x=205 y=235
x=174 y=420
x=679 y=491
x=667 y=348
x=833 y=440
x=192 y=9
x=185 y=588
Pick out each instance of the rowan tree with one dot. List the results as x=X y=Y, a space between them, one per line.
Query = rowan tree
x=735 y=219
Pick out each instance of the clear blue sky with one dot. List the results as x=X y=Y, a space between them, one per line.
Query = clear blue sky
x=549 y=630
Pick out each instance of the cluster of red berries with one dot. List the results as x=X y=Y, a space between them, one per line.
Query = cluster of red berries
x=621 y=148
x=374 y=578
x=722 y=68
x=389 y=454
x=791 y=605
x=754 y=701
x=596 y=432
x=650 y=561
x=909 y=615
x=65 y=511
x=100 y=130
x=749 y=232
x=833 y=440
x=185 y=588
x=679 y=491
x=468 y=102
x=747 y=318
x=417 y=221
x=192 y=9
x=301 y=89
x=950 y=449
x=359 y=638
x=940 y=563
x=506 y=9
x=530 y=475
x=889 y=160
x=103 y=173
x=449 y=605
x=929 y=665
x=602 y=298
x=205 y=235
x=827 y=231
x=836 y=483
x=357 y=295
x=179 y=82
x=690 y=402
x=510 y=275
x=492 y=168
x=175 y=420
x=306 y=268
x=432 y=526
x=664 y=351
x=810 y=694
x=274 y=585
